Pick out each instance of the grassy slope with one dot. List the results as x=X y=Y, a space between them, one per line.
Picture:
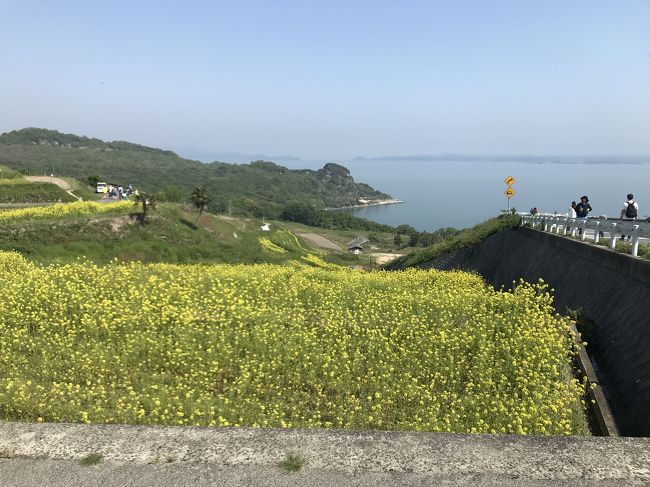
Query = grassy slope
x=466 y=238
x=169 y=236
x=383 y=241
x=8 y=173
x=82 y=190
x=15 y=189
x=33 y=193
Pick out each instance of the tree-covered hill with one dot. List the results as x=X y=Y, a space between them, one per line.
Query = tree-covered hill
x=260 y=188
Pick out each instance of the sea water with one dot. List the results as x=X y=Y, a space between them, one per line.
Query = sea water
x=463 y=193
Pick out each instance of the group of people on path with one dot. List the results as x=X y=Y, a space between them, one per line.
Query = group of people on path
x=118 y=192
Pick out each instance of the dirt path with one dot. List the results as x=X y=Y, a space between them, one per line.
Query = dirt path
x=320 y=241
x=61 y=183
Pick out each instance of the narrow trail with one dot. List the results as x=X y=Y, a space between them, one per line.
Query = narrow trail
x=61 y=183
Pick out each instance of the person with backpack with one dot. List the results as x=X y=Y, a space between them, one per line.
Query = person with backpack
x=582 y=210
x=630 y=211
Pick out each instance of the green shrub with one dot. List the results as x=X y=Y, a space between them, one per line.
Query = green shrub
x=466 y=238
x=7 y=173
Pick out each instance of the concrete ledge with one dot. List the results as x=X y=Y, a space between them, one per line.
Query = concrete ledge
x=240 y=456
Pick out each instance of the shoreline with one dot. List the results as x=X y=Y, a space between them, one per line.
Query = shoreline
x=368 y=204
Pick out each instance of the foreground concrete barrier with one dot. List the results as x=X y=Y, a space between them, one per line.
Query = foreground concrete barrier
x=50 y=454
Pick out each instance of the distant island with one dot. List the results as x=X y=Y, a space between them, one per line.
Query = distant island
x=525 y=158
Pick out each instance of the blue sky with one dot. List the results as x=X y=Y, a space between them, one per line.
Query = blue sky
x=334 y=79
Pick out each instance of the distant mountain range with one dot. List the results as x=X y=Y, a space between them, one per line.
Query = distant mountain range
x=207 y=155
x=527 y=158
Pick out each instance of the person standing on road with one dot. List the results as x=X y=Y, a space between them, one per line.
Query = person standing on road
x=629 y=212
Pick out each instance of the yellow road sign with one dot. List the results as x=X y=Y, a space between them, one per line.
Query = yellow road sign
x=510 y=180
x=509 y=192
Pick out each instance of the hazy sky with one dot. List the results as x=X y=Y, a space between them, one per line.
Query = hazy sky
x=334 y=79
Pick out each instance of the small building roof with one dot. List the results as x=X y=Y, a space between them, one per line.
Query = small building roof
x=357 y=242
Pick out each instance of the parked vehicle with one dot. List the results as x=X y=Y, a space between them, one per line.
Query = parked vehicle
x=101 y=187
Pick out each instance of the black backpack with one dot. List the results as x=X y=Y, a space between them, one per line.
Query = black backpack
x=630 y=211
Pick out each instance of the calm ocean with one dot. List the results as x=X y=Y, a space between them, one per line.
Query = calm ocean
x=462 y=193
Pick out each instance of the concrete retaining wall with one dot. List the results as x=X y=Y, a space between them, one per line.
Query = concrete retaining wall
x=612 y=289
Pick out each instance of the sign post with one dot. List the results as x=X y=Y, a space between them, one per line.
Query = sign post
x=509 y=192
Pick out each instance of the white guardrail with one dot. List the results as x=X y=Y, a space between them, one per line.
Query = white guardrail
x=564 y=225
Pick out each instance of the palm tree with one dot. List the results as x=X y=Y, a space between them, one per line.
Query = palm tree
x=201 y=197
x=148 y=201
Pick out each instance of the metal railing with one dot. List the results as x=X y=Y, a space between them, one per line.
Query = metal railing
x=564 y=225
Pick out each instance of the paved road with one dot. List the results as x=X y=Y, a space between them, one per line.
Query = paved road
x=49 y=454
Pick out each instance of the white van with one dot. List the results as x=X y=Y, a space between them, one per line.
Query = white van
x=101 y=187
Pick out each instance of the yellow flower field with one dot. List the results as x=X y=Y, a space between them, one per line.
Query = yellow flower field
x=272 y=346
x=62 y=210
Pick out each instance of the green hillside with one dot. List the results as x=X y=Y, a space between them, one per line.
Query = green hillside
x=465 y=238
x=7 y=173
x=259 y=188
x=28 y=192
x=15 y=189
x=171 y=234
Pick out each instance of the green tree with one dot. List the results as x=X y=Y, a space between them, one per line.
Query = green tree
x=406 y=230
x=148 y=202
x=93 y=180
x=201 y=197
x=397 y=240
x=172 y=193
